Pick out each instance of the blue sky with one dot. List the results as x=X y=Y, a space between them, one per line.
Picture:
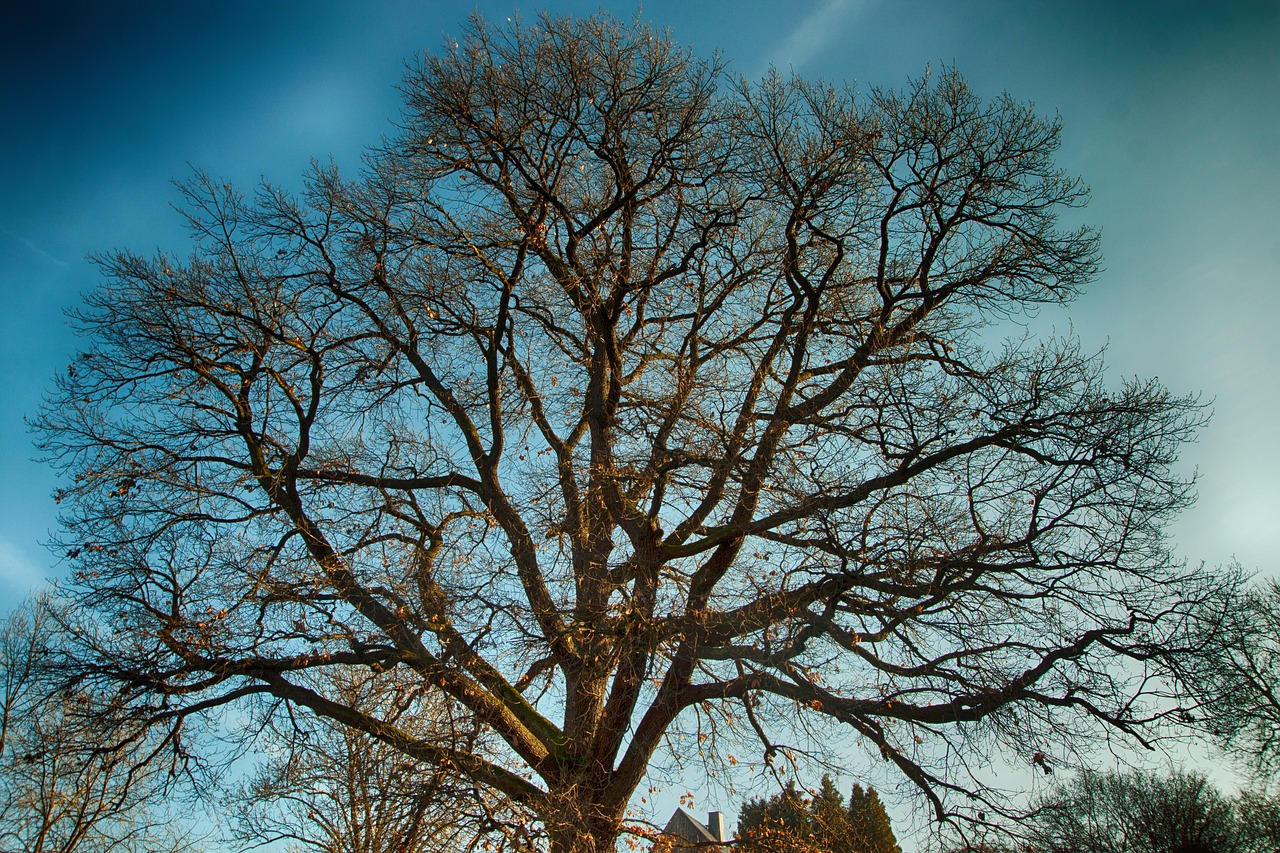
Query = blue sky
x=1169 y=110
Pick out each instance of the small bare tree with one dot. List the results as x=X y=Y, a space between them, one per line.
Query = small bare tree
x=63 y=786
x=630 y=411
x=1240 y=682
x=333 y=789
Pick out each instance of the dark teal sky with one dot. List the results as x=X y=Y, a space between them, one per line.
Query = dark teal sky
x=1170 y=113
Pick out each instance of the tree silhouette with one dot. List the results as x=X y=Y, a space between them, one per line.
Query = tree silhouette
x=1239 y=684
x=618 y=400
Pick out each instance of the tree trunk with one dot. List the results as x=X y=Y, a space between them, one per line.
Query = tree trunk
x=581 y=825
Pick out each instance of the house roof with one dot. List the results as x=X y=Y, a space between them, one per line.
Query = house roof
x=688 y=828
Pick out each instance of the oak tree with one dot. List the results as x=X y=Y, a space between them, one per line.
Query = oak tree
x=618 y=398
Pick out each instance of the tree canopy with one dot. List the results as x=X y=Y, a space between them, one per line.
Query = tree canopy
x=620 y=409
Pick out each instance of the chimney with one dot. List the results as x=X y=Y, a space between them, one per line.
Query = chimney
x=715 y=823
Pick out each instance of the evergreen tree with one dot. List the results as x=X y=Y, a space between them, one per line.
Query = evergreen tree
x=780 y=822
x=823 y=824
x=869 y=828
x=828 y=820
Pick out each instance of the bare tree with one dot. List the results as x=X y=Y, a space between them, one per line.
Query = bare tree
x=1259 y=815
x=334 y=789
x=1140 y=812
x=1239 y=681
x=62 y=787
x=619 y=402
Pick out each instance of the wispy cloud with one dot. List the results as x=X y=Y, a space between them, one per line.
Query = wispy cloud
x=816 y=32
x=32 y=246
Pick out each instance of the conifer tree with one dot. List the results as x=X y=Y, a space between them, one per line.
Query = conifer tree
x=823 y=824
x=780 y=822
x=828 y=819
x=869 y=827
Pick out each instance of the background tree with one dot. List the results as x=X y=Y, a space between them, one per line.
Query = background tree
x=820 y=824
x=616 y=402
x=1259 y=815
x=869 y=828
x=63 y=787
x=828 y=815
x=781 y=822
x=983 y=846
x=334 y=789
x=1140 y=812
x=1240 y=684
